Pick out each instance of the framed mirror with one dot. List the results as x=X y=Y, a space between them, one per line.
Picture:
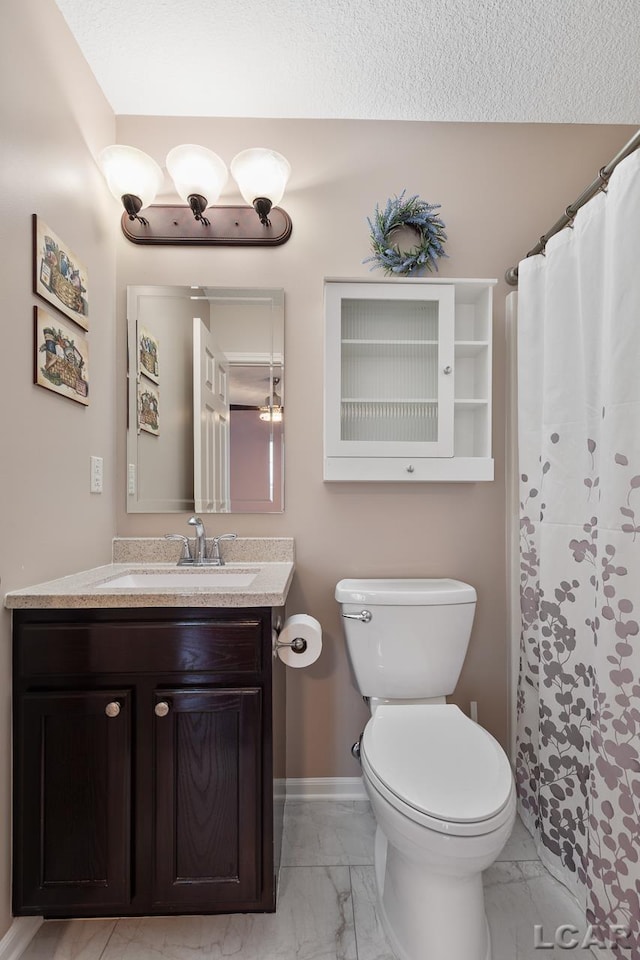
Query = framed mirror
x=205 y=424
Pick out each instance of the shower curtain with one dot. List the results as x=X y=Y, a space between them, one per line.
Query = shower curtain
x=578 y=696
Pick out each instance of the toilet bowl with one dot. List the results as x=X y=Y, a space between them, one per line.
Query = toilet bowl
x=440 y=786
x=442 y=818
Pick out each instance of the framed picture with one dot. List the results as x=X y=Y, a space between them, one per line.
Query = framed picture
x=58 y=275
x=148 y=408
x=61 y=357
x=148 y=353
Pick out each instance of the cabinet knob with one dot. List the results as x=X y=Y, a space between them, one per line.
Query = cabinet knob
x=112 y=709
x=447 y=369
x=161 y=709
x=410 y=468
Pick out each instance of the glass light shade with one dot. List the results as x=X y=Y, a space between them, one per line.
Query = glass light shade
x=272 y=409
x=260 y=172
x=128 y=170
x=271 y=414
x=197 y=171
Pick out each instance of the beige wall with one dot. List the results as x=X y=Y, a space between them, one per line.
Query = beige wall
x=500 y=187
x=53 y=120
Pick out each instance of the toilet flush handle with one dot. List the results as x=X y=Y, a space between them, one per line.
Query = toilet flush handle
x=365 y=615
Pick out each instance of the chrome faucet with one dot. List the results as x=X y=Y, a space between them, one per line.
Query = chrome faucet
x=201 y=540
x=199 y=558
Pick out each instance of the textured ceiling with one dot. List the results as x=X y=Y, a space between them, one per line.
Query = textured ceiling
x=470 y=60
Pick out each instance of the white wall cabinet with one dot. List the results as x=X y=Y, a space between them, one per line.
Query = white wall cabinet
x=408 y=380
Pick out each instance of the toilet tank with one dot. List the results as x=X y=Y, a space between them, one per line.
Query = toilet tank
x=406 y=639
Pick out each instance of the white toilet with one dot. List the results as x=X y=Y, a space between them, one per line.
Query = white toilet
x=440 y=786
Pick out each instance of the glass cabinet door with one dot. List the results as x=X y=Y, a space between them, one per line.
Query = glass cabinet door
x=390 y=380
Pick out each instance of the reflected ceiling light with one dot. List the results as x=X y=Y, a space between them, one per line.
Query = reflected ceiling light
x=199 y=177
x=272 y=410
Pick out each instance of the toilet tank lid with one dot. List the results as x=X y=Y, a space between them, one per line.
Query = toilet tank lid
x=405 y=592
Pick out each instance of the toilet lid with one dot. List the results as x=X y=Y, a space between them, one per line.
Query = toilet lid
x=433 y=758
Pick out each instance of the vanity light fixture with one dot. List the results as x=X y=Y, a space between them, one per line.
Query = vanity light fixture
x=199 y=176
x=262 y=176
x=272 y=410
x=133 y=177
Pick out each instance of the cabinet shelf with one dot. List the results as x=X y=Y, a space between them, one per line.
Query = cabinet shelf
x=470 y=348
x=379 y=401
x=391 y=342
x=472 y=404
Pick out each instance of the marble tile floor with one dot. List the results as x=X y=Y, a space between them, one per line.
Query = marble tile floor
x=326 y=906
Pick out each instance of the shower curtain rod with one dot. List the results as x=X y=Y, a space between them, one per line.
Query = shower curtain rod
x=600 y=183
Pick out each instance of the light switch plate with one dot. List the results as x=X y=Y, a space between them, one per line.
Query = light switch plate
x=96 y=475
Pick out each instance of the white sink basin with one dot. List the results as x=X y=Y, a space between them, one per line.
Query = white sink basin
x=182 y=580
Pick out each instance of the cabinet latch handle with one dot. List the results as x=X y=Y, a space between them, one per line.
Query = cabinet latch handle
x=112 y=709
x=161 y=709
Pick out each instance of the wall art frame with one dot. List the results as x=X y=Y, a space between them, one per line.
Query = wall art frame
x=148 y=355
x=59 y=277
x=60 y=357
x=148 y=408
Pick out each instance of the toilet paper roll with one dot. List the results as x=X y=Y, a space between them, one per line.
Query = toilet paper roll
x=300 y=626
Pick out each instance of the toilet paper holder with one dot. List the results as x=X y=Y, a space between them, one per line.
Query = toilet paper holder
x=298 y=644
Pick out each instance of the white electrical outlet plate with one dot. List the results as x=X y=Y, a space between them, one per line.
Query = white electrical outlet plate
x=131 y=479
x=95 y=485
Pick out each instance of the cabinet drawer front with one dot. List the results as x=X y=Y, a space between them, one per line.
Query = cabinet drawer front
x=141 y=647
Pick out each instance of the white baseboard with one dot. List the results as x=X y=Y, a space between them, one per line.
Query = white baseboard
x=324 y=788
x=18 y=937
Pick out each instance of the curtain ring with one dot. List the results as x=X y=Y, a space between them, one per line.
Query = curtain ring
x=542 y=243
x=604 y=179
x=570 y=215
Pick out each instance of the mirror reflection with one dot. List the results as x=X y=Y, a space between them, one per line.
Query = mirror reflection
x=206 y=405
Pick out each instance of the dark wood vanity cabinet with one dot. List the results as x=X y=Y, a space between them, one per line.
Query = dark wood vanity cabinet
x=147 y=747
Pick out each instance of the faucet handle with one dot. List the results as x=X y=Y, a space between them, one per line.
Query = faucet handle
x=215 y=553
x=186 y=550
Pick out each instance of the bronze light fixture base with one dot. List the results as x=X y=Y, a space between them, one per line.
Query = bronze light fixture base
x=230 y=226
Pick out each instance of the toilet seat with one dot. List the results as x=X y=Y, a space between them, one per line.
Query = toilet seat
x=438 y=768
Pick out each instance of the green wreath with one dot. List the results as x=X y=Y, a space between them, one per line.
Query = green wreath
x=415 y=213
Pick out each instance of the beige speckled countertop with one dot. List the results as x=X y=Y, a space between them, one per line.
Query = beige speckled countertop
x=91 y=588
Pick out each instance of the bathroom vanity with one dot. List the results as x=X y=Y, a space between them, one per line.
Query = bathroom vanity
x=148 y=751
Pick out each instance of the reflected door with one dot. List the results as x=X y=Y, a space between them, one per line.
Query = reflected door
x=210 y=422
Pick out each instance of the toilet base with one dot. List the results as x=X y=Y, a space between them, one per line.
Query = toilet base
x=399 y=950
x=428 y=914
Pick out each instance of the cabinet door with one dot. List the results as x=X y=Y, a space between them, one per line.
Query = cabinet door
x=207 y=796
x=389 y=370
x=72 y=836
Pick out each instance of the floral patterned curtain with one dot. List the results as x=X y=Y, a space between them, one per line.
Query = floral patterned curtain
x=578 y=713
